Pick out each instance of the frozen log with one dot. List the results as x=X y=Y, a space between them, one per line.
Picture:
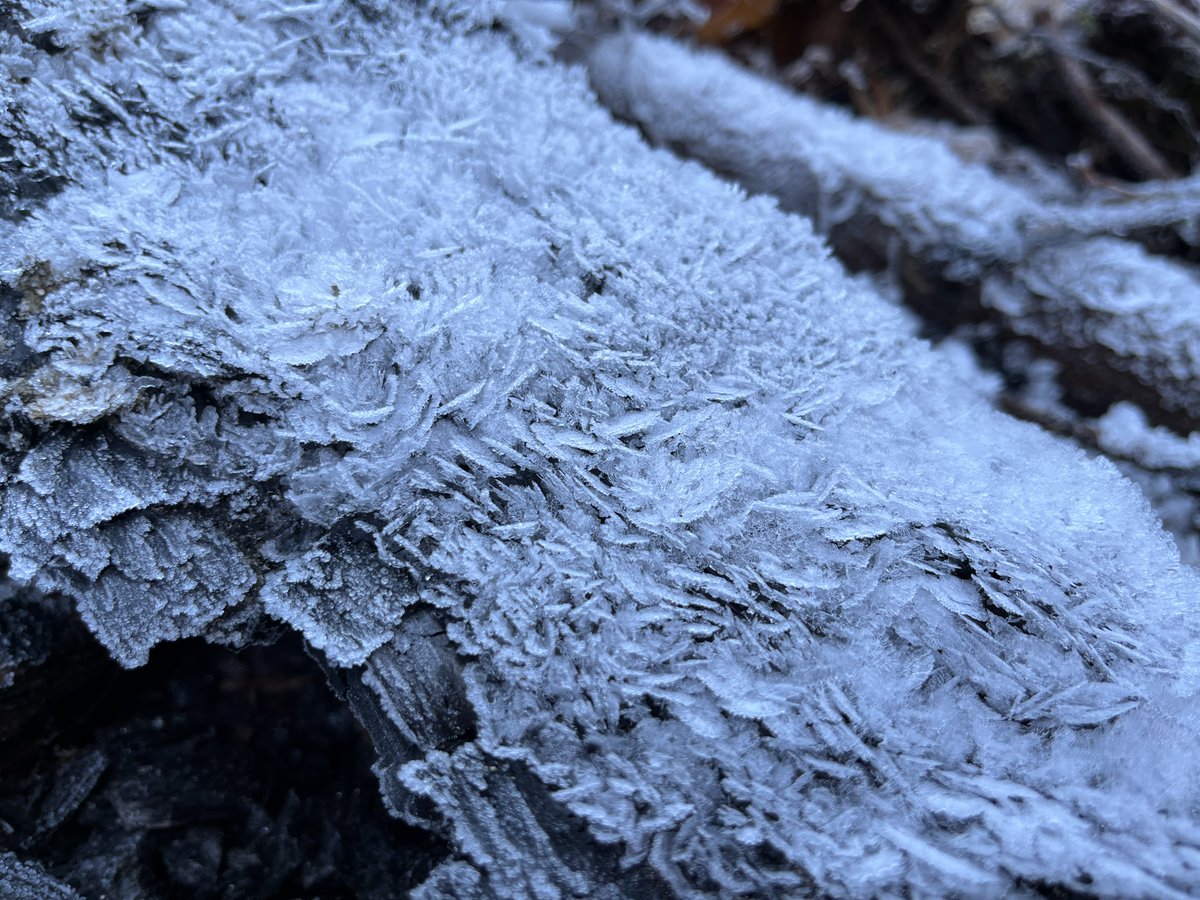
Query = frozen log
x=968 y=244
x=653 y=552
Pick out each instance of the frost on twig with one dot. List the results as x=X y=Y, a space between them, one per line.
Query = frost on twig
x=23 y=880
x=651 y=549
x=1124 y=323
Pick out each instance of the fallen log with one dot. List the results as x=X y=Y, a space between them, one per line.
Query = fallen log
x=651 y=549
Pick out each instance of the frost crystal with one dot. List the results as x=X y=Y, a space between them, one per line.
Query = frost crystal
x=670 y=563
x=21 y=880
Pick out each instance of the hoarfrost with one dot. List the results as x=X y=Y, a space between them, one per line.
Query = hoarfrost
x=670 y=562
x=1112 y=300
x=974 y=243
x=22 y=880
x=1124 y=430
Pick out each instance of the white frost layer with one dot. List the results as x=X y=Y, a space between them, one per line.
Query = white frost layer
x=1104 y=305
x=1165 y=466
x=814 y=157
x=1124 y=431
x=1140 y=314
x=405 y=317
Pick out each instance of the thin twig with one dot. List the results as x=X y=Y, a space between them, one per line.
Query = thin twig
x=1124 y=138
x=938 y=84
x=1182 y=18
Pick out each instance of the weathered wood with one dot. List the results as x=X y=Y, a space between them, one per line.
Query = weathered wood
x=653 y=551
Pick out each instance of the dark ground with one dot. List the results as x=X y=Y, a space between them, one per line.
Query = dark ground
x=206 y=773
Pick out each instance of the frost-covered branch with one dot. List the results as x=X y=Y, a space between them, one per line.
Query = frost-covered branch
x=966 y=242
